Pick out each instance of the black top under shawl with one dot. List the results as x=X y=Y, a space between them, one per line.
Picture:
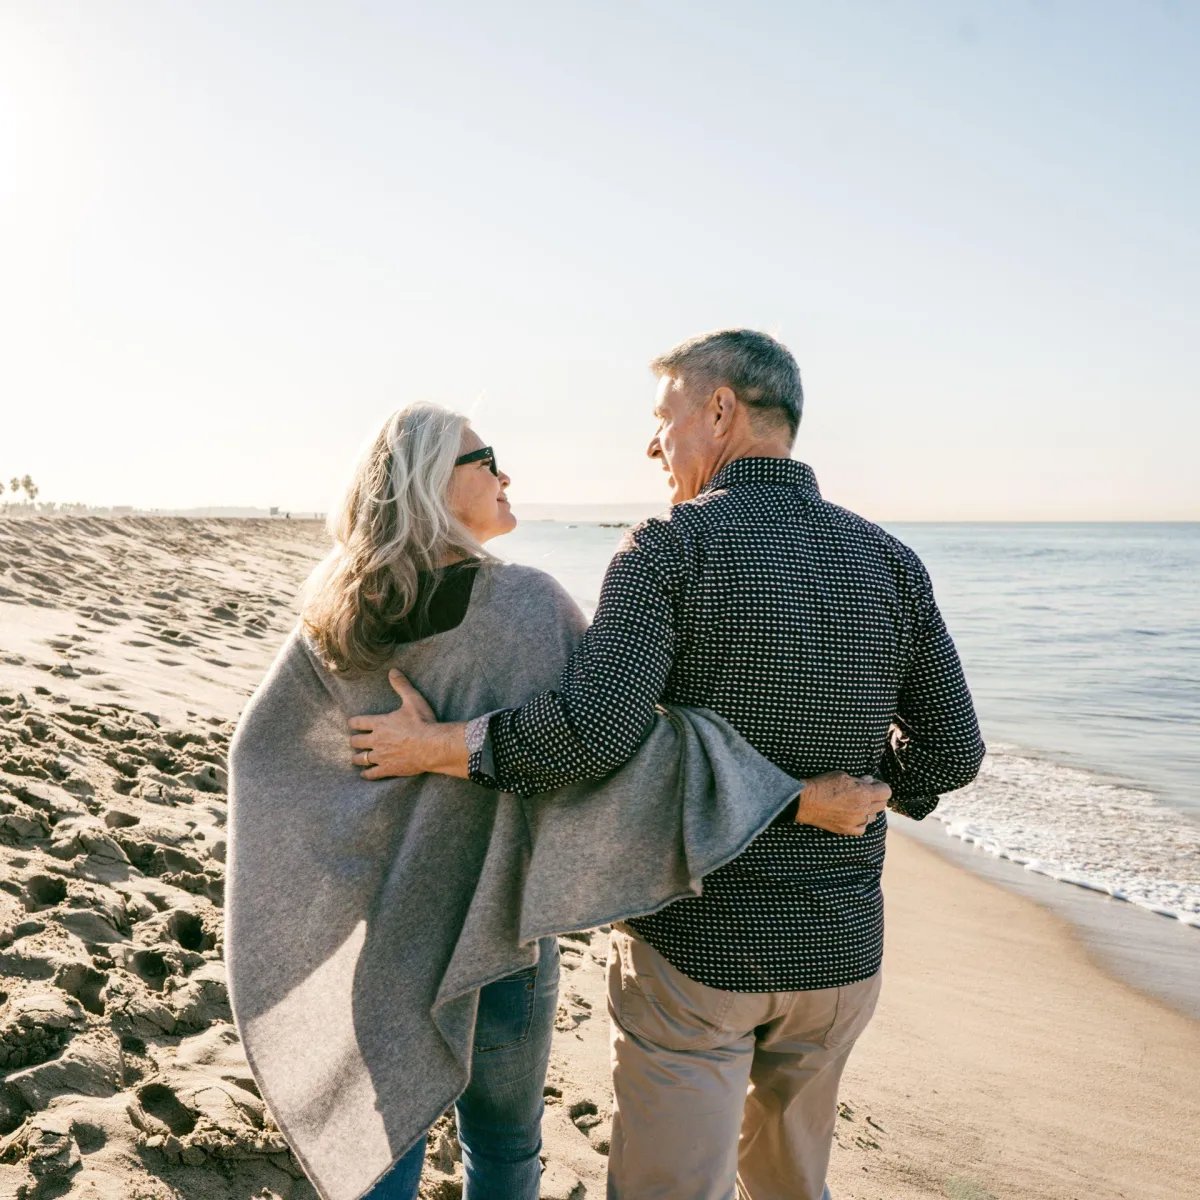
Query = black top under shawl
x=443 y=608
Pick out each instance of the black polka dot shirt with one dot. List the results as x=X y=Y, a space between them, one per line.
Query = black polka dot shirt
x=815 y=634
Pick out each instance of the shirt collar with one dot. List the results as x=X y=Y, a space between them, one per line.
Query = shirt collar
x=779 y=471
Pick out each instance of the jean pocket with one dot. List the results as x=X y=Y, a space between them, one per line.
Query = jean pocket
x=505 y=1011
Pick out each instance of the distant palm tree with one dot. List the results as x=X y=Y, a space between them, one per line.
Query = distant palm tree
x=15 y=484
x=29 y=488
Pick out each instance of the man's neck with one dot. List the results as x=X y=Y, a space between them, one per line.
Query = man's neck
x=752 y=448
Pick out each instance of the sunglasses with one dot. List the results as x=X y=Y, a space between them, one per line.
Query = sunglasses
x=483 y=454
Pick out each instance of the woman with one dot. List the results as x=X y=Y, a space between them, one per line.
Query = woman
x=390 y=944
x=404 y=571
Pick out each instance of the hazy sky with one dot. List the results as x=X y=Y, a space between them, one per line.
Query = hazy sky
x=234 y=236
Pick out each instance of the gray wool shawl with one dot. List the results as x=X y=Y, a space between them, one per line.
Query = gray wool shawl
x=363 y=917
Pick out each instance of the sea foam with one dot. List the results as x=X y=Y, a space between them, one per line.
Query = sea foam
x=1080 y=828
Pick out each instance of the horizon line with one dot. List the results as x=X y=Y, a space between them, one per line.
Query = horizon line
x=232 y=512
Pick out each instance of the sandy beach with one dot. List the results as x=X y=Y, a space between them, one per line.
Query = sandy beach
x=1003 y=1061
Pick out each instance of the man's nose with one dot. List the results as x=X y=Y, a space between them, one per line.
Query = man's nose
x=654 y=450
x=504 y=480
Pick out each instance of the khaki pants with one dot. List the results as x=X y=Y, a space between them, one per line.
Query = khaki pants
x=716 y=1091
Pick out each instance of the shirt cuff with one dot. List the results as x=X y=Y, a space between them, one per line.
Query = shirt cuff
x=915 y=807
x=481 y=764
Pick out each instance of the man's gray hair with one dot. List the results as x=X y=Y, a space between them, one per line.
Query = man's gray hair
x=761 y=371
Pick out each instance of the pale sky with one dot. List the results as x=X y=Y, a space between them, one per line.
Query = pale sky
x=234 y=236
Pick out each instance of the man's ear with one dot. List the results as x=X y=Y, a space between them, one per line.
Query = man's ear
x=724 y=404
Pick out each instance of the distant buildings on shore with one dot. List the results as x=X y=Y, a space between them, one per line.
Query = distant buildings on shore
x=129 y=510
x=615 y=516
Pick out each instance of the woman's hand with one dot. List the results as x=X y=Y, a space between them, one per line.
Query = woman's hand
x=409 y=740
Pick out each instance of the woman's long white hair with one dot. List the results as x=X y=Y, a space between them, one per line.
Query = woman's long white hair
x=394 y=522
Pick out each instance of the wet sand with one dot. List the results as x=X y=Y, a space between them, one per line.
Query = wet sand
x=1003 y=1061
x=1157 y=955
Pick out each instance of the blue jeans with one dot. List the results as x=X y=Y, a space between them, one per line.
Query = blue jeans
x=499 y=1116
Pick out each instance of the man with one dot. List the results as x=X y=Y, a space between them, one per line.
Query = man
x=816 y=635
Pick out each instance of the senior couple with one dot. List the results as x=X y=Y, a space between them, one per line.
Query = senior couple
x=707 y=764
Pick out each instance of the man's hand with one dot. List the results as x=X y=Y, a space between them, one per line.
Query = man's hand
x=842 y=803
x=408 y=741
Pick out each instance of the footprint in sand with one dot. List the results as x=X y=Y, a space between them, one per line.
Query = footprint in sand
x=118 y=1054
x=593 y=1123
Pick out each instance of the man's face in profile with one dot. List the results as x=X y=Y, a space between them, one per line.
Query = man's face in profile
x=682 y=442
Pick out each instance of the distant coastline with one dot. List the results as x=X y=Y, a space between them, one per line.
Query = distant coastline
x=218 y=512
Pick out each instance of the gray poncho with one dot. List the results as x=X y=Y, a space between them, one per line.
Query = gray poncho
x=363 y=917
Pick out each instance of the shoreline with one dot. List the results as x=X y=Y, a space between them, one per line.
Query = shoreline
x=1156 y=955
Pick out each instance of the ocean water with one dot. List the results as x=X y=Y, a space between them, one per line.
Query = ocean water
x=1081 y=643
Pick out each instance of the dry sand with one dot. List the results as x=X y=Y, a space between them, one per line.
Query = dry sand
x=1002 y=1063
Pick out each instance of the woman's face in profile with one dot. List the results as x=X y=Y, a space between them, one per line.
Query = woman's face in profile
x=477 y=496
